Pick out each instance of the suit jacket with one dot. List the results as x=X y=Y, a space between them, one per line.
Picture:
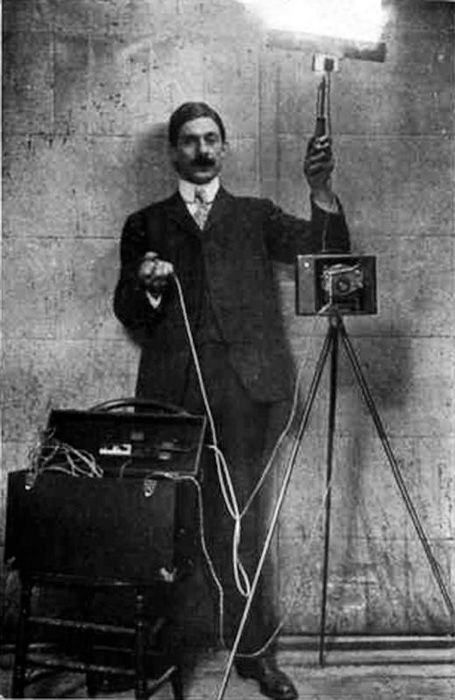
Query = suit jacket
x=231 y=260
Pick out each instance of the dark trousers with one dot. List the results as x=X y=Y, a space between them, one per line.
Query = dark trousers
x=246 y=431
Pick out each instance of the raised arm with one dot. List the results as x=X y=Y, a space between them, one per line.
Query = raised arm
x=287 y=236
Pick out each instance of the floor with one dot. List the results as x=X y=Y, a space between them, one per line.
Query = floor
x=414 y=675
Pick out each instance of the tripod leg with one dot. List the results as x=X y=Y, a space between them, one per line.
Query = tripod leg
x=397 y=474
x=330 y=436
x=285 y=483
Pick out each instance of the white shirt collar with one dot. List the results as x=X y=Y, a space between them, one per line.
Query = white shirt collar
x=187 y=189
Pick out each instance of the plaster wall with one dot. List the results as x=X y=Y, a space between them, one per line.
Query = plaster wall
x=88 y=87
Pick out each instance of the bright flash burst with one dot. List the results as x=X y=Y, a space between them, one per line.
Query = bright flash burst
x=356 y=20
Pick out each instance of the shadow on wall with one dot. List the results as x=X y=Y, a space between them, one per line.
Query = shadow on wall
x=369 y=511
x=385 y=359
x=382 y=573
x=154 y=179
x=154 y=174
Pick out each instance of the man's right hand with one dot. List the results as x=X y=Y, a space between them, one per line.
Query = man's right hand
x=154 y=273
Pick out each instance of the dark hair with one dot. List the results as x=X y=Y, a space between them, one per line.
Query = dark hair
x=189 y=111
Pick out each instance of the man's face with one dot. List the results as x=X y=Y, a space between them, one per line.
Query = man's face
x=199 y=153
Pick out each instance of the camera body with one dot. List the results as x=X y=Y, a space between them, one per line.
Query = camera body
x=329 y=282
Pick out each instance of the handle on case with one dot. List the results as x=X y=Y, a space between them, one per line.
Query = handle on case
x=132 y=402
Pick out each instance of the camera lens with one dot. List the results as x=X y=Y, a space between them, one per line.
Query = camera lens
x=343 y=285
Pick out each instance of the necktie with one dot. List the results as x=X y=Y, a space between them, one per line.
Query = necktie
x=202 y=207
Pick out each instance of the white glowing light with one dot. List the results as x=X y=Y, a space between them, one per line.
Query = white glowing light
x=357 y=20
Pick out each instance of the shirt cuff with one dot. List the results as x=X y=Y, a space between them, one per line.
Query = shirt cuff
x=154 y=301
x=330 y=208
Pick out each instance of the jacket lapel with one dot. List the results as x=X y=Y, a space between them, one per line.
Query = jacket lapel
x=219 y=209
x=178 y=212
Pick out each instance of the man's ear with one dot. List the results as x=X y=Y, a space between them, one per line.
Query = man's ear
x=225 y=148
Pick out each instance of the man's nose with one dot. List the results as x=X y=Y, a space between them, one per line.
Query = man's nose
x=203 y=146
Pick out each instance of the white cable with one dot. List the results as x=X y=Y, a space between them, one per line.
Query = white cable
x=54 y=455
x=308 y=543
x=224 y=477
x=227 y=487
x=238 y=568
x=208 y=559
x=210 y=562
x=222 y=470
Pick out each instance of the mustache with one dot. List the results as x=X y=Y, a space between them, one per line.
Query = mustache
x=203 y=160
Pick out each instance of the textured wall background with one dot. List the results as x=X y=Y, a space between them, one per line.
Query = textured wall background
x=88 y=87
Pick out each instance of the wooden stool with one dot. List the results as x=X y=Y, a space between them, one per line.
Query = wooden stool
x=96 y=662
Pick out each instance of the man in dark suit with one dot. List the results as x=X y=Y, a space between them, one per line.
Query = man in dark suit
x=220 y=247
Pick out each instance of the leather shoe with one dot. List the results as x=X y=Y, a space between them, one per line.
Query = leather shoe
x=103 y=683
x=272 y=682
